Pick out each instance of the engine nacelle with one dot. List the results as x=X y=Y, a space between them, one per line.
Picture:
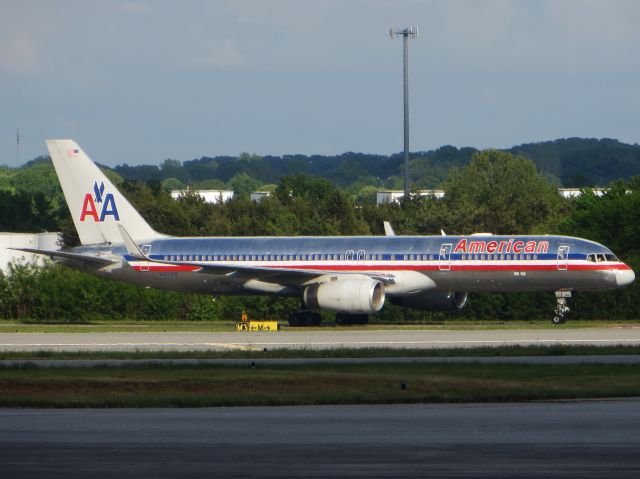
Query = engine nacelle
x=355 y=296
x=433 y=301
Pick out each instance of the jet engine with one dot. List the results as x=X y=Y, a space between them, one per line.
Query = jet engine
x=355 y=296
x=451 y=301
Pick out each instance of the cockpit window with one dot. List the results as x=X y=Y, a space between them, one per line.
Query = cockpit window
x=599 y=257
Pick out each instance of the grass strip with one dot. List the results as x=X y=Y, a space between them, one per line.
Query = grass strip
x=200 y=386
x=128 y=326
x=484 y=351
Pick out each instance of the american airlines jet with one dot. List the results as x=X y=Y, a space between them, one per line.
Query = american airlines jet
x=352 y=276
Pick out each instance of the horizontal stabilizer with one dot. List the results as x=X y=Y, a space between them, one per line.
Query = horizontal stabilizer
x=98 y=261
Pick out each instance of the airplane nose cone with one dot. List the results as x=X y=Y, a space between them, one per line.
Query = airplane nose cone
x=625 y=277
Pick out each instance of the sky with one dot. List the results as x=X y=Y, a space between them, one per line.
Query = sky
x=138 y=82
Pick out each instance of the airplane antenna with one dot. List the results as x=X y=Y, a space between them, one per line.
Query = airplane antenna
x=410 y=32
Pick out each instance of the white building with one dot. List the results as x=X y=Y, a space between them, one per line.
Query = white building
x=48 y=241
x=393 y=196
x=575 y=192
x=210 y=196
x=257 y=196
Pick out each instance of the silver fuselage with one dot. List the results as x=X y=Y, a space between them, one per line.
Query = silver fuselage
x=476 y=263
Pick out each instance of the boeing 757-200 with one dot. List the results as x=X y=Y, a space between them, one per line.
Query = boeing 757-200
x=349 y=275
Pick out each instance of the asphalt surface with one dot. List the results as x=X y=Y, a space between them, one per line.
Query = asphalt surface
x=314 y=339
x=585 y=439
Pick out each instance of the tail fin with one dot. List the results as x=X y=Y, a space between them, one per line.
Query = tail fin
x=95 y=204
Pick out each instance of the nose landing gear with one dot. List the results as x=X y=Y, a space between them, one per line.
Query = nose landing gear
x=561 y=307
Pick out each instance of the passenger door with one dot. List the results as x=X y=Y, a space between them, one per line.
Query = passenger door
x=563 y=257
x=444 y=258
x=146 y=250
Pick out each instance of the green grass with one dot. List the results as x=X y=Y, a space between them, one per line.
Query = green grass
x=199 y=386
x=127 y=326
x=551 y=350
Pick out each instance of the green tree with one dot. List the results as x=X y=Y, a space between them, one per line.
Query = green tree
x=243 y=184
x=39 y=177
x=173 y=184
x=502 y=194
x=612 y=219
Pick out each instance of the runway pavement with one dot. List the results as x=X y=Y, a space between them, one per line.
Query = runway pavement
x=314 y=339
x=581 y=439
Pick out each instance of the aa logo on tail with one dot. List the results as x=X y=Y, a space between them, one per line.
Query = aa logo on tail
x=99 y=205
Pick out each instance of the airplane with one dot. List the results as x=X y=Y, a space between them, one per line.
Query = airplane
x=352 y=276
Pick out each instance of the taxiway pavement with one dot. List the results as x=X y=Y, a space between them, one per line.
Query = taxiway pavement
x=314 y=339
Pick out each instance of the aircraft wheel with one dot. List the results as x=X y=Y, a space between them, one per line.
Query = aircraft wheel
x=316 y=319
x=294 y=319
x=557 y=319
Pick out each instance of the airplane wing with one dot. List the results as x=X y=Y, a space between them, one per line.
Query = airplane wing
x=94 y=260
x=280 y=275
x=285 y=275
x=268 y=274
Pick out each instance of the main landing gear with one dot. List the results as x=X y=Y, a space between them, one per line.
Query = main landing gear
x=304 y=317
x=561 y=307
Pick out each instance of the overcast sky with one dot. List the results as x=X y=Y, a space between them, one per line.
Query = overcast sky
x=141 y=81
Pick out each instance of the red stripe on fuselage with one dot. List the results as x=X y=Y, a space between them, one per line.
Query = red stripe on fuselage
x=165 y=268
x=401 y=267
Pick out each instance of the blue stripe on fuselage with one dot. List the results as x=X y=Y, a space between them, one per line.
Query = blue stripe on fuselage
x=370 y=245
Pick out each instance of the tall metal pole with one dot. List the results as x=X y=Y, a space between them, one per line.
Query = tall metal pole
x=406 y=115
x=406 y=33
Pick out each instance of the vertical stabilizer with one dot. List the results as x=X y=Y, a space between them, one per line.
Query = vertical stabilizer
x=95 y=204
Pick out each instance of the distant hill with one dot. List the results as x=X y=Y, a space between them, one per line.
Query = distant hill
x=569 y=162
x=584 y=161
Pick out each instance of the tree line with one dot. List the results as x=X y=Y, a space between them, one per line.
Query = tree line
x=572 y=162
x=495 y=192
